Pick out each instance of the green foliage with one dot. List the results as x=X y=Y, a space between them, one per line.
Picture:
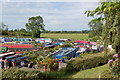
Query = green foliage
x=109 y=13
x=16 y=73
x=94 y=38
x=3 y=29
x=96 y=29
x=34 y=57
x=53 y=66
x=83 y=31
x=35 y=25
x=87 y=62
x=36 y=44
x=67 y=45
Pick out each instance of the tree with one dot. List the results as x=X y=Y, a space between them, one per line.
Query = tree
x=3 y=29
x=109 y=13
x=18 y=33
x=22 y=30
x=35 y=26
x=96 y=29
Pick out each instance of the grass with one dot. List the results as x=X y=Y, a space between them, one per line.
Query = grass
x=90 y=73
x=73 y=36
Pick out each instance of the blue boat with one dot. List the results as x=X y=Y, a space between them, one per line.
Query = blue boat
x=65 y=52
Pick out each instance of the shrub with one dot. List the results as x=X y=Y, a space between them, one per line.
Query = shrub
x=16 y=73
x=87 y=62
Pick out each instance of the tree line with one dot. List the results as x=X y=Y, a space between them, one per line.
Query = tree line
x=34 y=28
x=83 y=31
x=15 y=32
x=23 y=32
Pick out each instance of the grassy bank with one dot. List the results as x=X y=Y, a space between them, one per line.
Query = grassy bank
x=91 y=73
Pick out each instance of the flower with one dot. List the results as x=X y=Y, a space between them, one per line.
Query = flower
x=115 y=55
x=111 y=60
x=116 y=59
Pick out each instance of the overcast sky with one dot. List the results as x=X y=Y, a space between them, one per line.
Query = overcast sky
x=57 y=14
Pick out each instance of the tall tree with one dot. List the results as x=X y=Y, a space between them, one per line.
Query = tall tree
x=35 y=25
x=110 y=14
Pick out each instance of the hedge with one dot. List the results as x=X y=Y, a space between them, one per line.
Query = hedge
x=88 y=62
x=16 y=73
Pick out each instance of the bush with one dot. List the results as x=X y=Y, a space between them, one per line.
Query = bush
x=16 y=73
x=87 y=62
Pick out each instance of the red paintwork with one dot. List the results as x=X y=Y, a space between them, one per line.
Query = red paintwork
x=80 y=46
x=85 y=42
x=17 y=45
x=81 y=41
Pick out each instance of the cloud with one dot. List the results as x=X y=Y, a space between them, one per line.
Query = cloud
x=58 y=0
x=56 y=15
x=52 y=0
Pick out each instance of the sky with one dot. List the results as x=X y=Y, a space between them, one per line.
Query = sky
x=58 y=15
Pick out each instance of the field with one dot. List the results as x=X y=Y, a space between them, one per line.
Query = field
x=73 y=36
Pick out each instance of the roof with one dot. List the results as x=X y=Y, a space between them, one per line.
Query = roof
x=17 y=46
x=79 y=41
